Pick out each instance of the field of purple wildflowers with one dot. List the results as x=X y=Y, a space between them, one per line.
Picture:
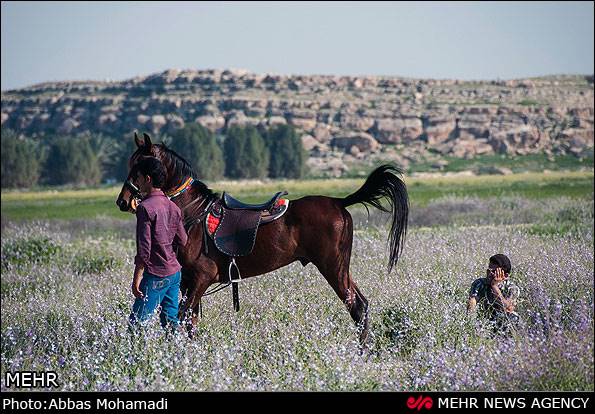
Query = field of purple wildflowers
x=67 y=311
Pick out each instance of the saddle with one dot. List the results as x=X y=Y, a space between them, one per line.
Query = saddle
x=233 y=225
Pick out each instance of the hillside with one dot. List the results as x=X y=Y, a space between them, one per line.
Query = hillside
x=343 y=120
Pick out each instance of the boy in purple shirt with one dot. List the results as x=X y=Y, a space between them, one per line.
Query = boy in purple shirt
x=159 y=227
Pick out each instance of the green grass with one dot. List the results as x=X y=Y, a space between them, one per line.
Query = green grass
x=529 y=185
x=97 y=203
x=60 y=208
x=529 y=102
x=526 y=163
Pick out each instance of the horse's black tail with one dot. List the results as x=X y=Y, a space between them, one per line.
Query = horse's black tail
x=384 y=182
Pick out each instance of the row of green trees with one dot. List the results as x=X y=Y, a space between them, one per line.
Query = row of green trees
x=90 y=159
x=82 y=160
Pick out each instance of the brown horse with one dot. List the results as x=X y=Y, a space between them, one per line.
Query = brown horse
x=315 y=229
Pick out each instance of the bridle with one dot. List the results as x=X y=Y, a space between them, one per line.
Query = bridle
x=134 y=190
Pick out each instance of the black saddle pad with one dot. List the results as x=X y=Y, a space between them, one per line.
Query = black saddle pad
x=236 y=233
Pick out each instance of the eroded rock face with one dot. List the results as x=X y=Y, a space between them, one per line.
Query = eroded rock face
x=309 y=142
x=304 y=120
x=339 y=117
x=439 y=128
x=213 y=123
x=362 y=141
x=520 y=140
x=397 y=130
x=322 y=132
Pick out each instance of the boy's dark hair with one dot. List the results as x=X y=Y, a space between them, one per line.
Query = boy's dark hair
x=152 y=167
x=502 y=261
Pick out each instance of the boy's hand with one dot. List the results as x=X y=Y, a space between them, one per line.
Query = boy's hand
x=136 y=290
x=499 y=276
x=136 y=279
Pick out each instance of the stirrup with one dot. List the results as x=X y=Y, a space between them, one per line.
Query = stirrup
x=231 y=279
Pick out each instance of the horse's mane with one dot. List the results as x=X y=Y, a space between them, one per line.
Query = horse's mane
x=182 y=168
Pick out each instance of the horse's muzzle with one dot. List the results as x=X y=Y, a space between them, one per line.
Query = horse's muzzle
x=122 y=204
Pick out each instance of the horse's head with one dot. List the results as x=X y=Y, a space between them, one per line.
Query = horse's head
x=178 y=174
x=130 y=194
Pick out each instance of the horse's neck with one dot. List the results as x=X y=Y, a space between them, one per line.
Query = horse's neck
x=174 y=183
x=192 y=195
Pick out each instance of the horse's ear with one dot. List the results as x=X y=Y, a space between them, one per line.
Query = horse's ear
x=148 y=142
x=139 y=142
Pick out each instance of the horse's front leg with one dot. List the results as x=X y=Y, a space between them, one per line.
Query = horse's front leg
x=195 y=281
x=187 y=287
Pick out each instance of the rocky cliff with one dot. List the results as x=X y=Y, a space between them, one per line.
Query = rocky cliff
x=341 y=118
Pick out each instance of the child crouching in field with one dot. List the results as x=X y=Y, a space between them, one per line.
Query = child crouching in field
x=159 y=227
x=496 y=294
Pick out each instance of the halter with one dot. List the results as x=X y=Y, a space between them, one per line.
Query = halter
x=133 y=189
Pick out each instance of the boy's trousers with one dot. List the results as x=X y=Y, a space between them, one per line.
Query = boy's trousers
x=157 y=290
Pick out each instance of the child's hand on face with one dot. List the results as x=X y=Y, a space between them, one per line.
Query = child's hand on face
x=498 y=276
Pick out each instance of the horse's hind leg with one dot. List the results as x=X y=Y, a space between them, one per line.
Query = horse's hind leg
x=334 y=266
x=357 y=305
x=348 y=291
x=361 y=313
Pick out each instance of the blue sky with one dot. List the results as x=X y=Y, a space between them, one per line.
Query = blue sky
x=50 y=41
